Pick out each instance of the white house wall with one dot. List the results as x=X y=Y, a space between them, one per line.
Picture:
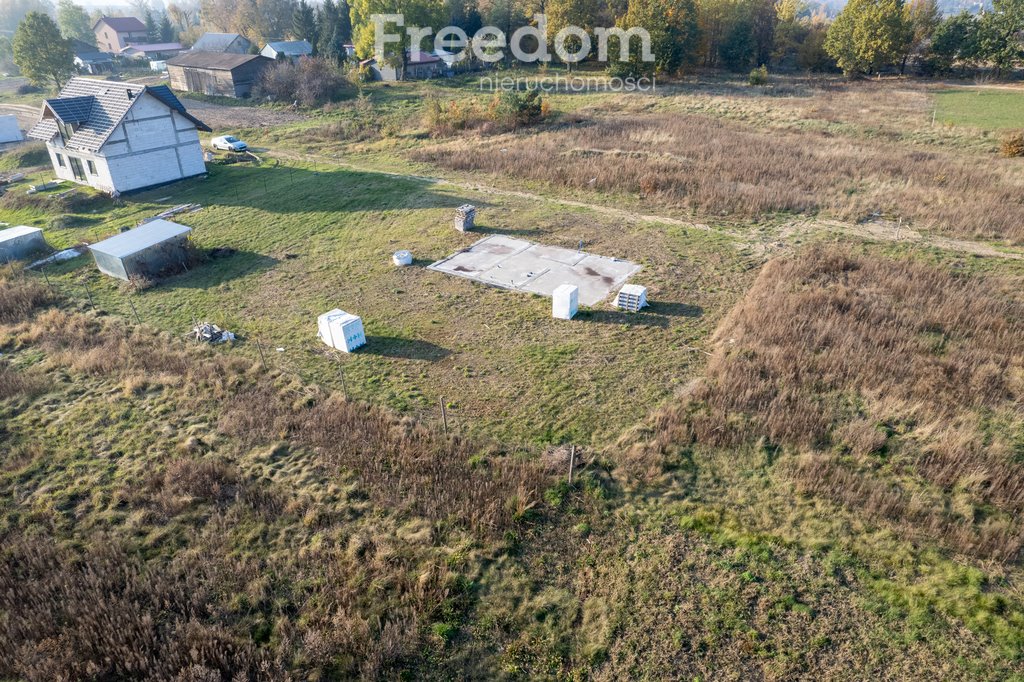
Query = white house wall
x=153 y=145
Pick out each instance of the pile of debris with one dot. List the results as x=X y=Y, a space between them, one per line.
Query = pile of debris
x=33 y=189
x=464 y=217
x=11 y=179
x=211 y=333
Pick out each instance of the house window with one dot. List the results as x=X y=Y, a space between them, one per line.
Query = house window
x=91 y=166
x=60 y=161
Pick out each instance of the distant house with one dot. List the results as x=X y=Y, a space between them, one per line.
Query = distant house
x=425 y=66
x=216 y=73
x=287 y=49
x=119 y=137
x=89 y=59
x=113 y=34
x=233 y=43
x=152 y=51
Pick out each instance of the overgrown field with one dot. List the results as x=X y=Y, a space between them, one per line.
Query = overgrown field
x=803 y=461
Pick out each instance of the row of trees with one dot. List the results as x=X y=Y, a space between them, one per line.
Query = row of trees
x=869 y=35
x=866 y=37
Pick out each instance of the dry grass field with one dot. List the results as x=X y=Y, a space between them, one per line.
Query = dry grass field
x=803 y=461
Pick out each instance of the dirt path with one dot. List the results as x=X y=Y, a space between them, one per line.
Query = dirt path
x=27 y=114
x=223 y=117
x=879 y=230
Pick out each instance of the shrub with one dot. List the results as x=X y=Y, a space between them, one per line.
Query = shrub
x=1013 y=145
x=19 y=296
x=758 y=76
x=447 y=118
x=510 y=109
x=310 y=82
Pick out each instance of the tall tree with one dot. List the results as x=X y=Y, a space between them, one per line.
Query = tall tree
x=564 y=13
x=674 y=38
x=167 y=32
x=304 y=22
x=956 y=39
x=1002 y=34
x=421 y=13
x=13 y=11
x=763 y=22
x=867 y=35
x=924 y=17
x=152 y=28
x=74 y=22
x=181 y=15
x=6 y=54
x=42 y=54
x=790 y=29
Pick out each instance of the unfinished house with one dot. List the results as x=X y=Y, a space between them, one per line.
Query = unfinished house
x=216 y=73
x=119 y=137
x=144 y=252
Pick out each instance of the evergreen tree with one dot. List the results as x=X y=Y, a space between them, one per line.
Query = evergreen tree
x=167 y=32
x=152 y=30
x=304 y=22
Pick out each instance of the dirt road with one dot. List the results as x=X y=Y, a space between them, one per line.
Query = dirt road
x=221 y=117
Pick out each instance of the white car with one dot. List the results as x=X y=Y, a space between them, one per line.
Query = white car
x=228 y=143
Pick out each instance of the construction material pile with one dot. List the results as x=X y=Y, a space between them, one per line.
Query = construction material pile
x=464 y=217
x=205 y=332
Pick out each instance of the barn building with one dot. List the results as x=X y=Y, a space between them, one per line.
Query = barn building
x=234 y=43
x=216 y=73
x=119 y=137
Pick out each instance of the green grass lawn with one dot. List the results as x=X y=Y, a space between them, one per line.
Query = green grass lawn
x=305 y=241
x=987 y=109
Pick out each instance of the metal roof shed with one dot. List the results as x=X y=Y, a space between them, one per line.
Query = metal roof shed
x=19 y=242
x=9 y=130
x=143 y=251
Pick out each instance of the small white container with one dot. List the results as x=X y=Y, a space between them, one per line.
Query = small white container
x=401 y=258
x=341 y=330
x=565 y=302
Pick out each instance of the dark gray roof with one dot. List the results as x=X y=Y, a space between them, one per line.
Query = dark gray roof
x=216 y=42
x=97 y=107
x=219 y=61
x=122 y=24
x=291 y=48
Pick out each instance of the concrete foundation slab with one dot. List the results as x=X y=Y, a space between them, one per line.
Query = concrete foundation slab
x=520 y=265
